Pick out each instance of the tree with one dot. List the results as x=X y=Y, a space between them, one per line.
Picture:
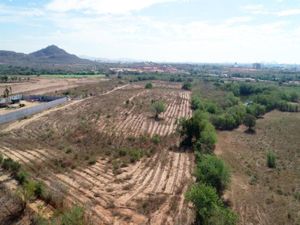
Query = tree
x=204 y=199
x=198 y=132
x=213 y=171
x=249 y=121
x=149 y=86
x=196 y=103
x=209 y=208
x=158 y=107
x=191 y=128
x=256 y=110
x=208 y=138
x=7 y=91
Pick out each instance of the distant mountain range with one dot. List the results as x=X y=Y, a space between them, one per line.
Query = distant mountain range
x=49 y=57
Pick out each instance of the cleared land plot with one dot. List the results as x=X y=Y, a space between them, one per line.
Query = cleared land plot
x=74 y=156
x=259 y=194
x=133 y=117
x=39 y=85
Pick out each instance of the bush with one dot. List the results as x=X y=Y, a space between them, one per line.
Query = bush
x=158 y=107
x=21 y=177
x=39 y=189
x=204 y=199
x=230 y=119
x=271 y=159
x=26 y=192
x=149 y=86
x=208 y=136
x=196 y=103
x=256 y=110
x=213 y=171
x=9 y=164
x=135 y=154
x=187 y=86
x=74 y=216
x=155 y=139
x=222 y=216
x=209 y=208
x=198 y=132
x=1 y=158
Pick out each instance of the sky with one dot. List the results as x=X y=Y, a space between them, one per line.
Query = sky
x=207 y=31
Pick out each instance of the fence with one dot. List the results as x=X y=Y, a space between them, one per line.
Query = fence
x=10 y=98
x=40 y=98
x=22 y=113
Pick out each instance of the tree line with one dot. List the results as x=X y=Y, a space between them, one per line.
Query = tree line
x=212 y=174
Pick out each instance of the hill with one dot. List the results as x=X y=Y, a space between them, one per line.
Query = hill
x=49 y=58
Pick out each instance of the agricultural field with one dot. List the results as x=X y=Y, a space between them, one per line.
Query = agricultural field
x=262 y=195
x=46 y=84
x=107 y=152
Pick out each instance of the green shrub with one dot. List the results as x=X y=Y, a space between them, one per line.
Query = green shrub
x=209 y=208
x=6 y=164
x=74 y=216
x=135 y=154
x=187 y=86
x=155 y=139
x=149 y=86
x=92 y=162
x=39 y=189
x=271 y=159
x=196 y=103
x=256 y=110
x=208 y=137
x=198 y=132
x=213 y=171
x=211 y=107
x=222 y=216
x=1 y=158
x=21 y=177
x=158 y=107
x=9 y=164
x=27 y=191
x=122 y=152
x=204 y=199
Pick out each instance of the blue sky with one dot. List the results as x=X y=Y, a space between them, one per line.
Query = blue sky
x=157 y=30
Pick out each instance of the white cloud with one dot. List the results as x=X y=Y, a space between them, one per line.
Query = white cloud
x=239 y=19
x=102 y=6
x=289 y=12
x=260 y=9
x=255 y=9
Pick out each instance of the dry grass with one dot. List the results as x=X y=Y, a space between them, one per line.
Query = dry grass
x=259 y=194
